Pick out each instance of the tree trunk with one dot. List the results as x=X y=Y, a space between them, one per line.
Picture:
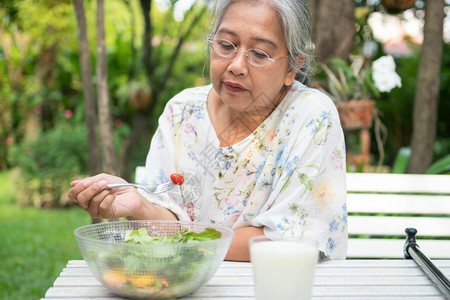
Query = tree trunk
x=140 y=124
x=333 y=27
x=45 y=68
x=140 y=128
x=134 y=65
x=147 y=39
x=88 y=89
x=105 y=121
x=427 y=89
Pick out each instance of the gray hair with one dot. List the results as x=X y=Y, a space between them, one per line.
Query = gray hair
x=294 y=16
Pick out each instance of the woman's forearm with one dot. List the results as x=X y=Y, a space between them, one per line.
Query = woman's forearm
x=239 y=250
x=150 y=211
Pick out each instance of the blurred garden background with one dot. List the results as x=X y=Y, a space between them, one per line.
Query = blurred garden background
x=82 y=84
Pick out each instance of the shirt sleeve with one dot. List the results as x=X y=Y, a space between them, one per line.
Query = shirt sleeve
x=309 y=196
x=162 y=161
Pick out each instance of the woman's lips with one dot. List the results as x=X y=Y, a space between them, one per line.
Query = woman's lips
x=234 y=87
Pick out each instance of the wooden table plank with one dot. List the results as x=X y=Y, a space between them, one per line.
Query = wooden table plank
x=374 y=263
x=342 y=271
x=248 y=281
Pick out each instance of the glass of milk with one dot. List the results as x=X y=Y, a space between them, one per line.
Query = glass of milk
x=283 y=269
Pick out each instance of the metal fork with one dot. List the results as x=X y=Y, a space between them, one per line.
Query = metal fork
x=151 y=189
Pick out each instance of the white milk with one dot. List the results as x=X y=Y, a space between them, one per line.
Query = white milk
x=283 y=270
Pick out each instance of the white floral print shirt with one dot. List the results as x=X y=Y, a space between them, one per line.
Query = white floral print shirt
x=288 y=176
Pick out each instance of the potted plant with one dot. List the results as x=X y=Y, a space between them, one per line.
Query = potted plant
x=396 y=6
x=354 y=88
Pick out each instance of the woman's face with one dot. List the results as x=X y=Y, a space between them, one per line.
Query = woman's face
x=240 y=85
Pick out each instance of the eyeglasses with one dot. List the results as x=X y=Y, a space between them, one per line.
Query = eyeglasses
x=256 y=57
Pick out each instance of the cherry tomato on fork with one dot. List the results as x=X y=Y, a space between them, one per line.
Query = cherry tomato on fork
x=177 y=178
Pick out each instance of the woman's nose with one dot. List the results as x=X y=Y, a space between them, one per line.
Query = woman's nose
x=238 y=64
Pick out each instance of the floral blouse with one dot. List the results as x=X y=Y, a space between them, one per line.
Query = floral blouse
x=287 y=176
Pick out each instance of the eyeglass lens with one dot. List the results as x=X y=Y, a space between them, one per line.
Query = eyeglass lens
x=224 y=48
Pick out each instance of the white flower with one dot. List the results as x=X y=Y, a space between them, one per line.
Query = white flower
x=384 y=74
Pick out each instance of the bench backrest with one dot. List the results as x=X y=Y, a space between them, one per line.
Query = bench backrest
x=381 y=206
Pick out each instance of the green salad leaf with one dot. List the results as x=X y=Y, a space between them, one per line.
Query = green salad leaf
x=141 y=236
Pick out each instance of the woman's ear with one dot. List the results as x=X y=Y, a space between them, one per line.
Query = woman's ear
x=290 y=76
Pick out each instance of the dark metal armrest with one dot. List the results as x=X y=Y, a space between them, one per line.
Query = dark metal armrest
x=412 y=251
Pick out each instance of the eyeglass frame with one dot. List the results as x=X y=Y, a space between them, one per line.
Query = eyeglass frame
x=236 y=48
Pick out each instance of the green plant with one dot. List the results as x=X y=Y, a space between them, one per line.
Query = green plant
x=401 y=160
x=45 y=167
x=440 y=166
x=354 y=81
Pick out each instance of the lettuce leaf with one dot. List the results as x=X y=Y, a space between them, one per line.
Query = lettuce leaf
x=141 y=236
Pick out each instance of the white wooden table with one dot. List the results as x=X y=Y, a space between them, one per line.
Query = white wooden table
x=349 y=279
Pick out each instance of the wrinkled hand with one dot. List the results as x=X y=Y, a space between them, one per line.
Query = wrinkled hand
x=91 y=195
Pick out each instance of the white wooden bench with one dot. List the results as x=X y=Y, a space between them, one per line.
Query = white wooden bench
x=381 y=206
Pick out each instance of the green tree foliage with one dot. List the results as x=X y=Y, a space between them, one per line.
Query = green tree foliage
x=43 y=82
x=47 y=165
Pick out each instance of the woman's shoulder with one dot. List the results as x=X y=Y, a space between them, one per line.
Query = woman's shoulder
x=190 y=96
x=188 y=103
x=311 y=94
x=310 y=99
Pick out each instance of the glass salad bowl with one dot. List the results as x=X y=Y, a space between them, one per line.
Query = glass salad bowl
x=153 y=259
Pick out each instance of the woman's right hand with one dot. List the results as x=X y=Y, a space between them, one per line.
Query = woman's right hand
x=91 y=195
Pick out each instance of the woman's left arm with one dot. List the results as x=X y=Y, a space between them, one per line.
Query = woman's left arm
x=239 y=249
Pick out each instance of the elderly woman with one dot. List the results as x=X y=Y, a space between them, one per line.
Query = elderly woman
x=261 y=152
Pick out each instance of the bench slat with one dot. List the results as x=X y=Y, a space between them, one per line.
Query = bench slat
x=398 y=183
x=404 y=204
x=376 y=248
x=378 y=225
